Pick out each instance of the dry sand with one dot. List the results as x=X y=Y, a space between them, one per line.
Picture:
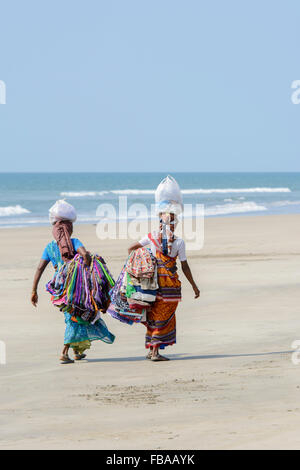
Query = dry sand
x=231 y=383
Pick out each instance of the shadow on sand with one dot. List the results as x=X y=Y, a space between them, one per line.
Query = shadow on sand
x=186 y=357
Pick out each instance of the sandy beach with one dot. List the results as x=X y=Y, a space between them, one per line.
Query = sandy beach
x=231 y=383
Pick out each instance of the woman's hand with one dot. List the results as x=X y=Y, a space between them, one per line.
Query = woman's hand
x=34 y=298
x=197 y=292
x=87 y=258
x=187 y=272
x=40 y=269
x=134 y=247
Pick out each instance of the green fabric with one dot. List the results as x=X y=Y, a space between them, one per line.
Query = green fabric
x=110 y=280
x=72 y=284
x=81 y=347
x=81 y=322
x=129 y=287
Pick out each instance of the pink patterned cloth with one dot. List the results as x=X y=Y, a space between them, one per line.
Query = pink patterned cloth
x=140 y=263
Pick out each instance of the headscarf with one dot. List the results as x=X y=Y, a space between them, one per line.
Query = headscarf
x=62 y=231
x=168 y=224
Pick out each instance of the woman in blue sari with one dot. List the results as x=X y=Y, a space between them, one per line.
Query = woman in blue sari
x=78 y=333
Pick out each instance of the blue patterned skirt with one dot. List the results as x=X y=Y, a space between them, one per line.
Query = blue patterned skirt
x=77 y=333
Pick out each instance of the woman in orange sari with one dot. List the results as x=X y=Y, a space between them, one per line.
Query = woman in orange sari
x=161 y=320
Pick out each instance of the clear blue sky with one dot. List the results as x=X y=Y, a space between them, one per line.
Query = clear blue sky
x=161 y=85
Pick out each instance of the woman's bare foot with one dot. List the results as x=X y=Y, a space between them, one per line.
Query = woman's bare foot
x=159 y=358
x=78 y=356
x=156 y=357
x=66 y=360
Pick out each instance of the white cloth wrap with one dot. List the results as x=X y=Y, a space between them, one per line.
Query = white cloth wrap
x=62 y=210
x=168 y=196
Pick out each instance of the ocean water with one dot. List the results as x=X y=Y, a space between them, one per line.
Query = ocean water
x=26 y=198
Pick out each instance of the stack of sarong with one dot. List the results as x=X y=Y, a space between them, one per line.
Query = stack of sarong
x=82 y=291
x=136 y=288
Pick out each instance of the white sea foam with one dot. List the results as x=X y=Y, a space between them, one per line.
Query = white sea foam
x=238 y=208
x=22 y=222
x=285 y=203
x=12 y=210
x=205 y=191
x=236 y=190
x=83 y=193
x=136 y=192
x=133 y=191
x=222 y=209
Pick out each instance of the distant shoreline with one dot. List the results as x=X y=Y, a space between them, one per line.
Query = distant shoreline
x=26 y=197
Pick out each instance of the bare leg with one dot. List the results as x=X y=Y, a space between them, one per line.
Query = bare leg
x=149 y=355
x=65 y=355
x=65 y=351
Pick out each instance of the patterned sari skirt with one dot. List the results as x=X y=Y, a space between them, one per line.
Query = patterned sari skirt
x=80 y=334
x=161 y=320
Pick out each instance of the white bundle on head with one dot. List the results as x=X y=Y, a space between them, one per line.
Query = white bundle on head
x=168 y=196
x=62 y=210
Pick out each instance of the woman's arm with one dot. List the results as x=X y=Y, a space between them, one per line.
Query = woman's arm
x=85 y=254
x=38 y=274
x=134 y=247
x=188 y=274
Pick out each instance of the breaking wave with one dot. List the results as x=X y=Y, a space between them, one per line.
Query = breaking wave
x=136 y=192
x=12 y=210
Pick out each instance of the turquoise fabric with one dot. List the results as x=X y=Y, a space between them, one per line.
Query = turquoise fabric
x=76 y=333
x=52 y=253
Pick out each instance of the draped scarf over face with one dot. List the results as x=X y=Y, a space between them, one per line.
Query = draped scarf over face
x=62 y=231
x=168 y=224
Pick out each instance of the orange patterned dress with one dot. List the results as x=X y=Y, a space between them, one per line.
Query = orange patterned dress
x=161 y=320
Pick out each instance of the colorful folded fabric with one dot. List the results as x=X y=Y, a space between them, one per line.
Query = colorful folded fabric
x=82 y=291
x=144 y=296
x=132 y=296
x=141 y=263
x=138 y=304
x=120 y=308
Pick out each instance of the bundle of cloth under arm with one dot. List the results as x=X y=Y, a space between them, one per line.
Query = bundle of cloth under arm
x=136 y=288
x=80 y=290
